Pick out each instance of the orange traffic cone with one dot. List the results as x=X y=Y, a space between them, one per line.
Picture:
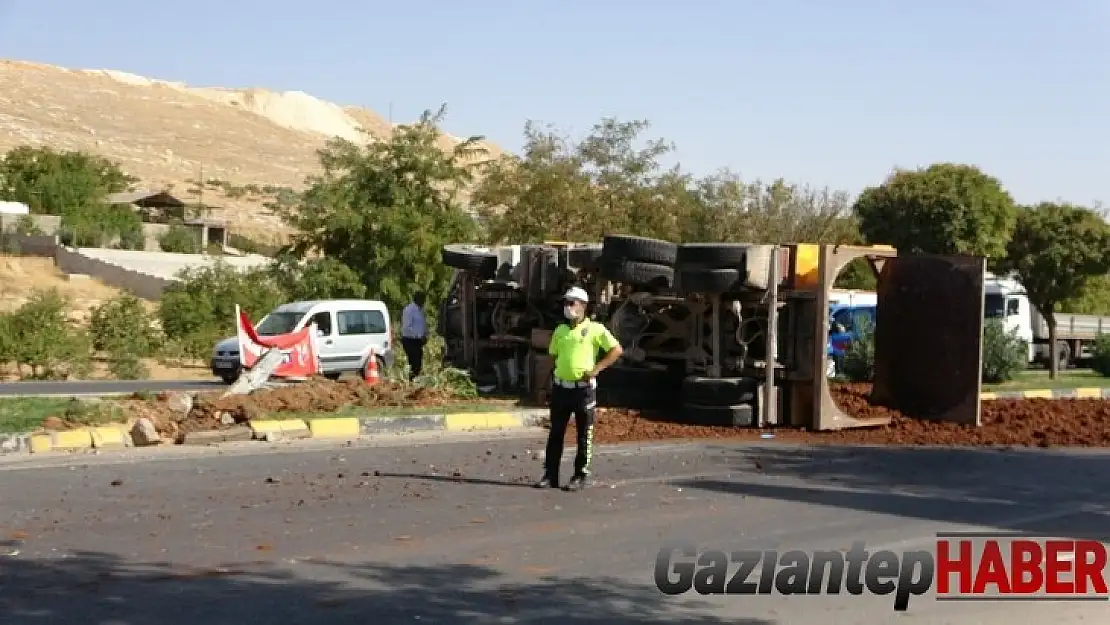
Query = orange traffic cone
x=370 y=374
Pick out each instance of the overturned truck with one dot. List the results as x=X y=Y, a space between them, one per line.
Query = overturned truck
x=720 y=333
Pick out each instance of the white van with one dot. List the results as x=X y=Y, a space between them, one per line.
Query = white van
x=347 y=330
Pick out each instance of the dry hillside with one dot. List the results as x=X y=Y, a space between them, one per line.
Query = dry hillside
x=167 y=133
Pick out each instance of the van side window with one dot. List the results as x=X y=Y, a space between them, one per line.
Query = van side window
x=361 y=322
x=322 y=321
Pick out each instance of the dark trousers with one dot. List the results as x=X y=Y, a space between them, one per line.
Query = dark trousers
x=566 y=402
x=414 y=351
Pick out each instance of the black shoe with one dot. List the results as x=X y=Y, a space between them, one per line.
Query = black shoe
x=546 y=482
x=578 y=482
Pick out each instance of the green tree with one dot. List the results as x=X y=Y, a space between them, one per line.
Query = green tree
x=123 y=329
x=52 y=182
x=178 y=239
x=199 y=310
x=316 y=278
x=1054 y=252
x=943 y=209
x=386 y=209
x=41 y=338
x=1092 y=299
x=540 y=195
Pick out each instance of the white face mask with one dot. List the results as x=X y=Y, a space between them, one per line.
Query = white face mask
x=569 y=313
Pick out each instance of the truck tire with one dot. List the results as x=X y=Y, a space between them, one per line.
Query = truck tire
x=718 y=391
x=711 y=256
x=588 y=258
x=726 y=416
x=708 y=280
x=636 y=273
x=637 y=389
x=1063 y=355
x=481 y=264
x=639 y=249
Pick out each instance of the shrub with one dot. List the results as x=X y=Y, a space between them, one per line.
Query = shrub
x=179 y=240
x=42 y=342
x=200 y=309
x=101 y=225
x=1004 y=353
x=859 y=358
x=1101 y=355
x=122 y=328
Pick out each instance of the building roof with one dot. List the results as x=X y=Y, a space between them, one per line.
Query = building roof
x=146 y=195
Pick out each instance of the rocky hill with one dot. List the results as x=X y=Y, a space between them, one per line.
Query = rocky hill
x=171 y=135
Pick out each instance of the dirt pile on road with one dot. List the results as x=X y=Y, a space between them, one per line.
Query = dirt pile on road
x=176 y=414
x=1006 y=422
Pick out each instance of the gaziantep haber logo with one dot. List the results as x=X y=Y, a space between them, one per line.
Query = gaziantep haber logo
x=961 y=567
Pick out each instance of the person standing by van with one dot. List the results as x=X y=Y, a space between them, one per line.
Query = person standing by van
x=575 y=346
x=414 y=333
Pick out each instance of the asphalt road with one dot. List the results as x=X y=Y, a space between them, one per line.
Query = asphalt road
x=103 y=387
x=390 y=534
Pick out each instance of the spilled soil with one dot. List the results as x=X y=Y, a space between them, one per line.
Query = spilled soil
x=175 y=414
x=1006 y=422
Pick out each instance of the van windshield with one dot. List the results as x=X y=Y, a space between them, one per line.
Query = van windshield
x=278 y=323
x=994 y=306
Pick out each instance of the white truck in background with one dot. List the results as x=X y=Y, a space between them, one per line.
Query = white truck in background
x=1005 y=299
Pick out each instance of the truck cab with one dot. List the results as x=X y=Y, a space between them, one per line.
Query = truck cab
x=1005 y=299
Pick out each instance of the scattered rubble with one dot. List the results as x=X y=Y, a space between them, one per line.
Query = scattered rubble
x=176 y=415
x=1006 y=422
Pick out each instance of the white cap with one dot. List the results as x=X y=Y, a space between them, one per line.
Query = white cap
x=577 y=294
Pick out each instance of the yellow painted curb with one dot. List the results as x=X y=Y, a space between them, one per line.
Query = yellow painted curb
x=1038 y=394
x=1088 y=393
x=51 y=441
x=988 y=396
x=347 y=427
x=278 y=426
x=109 y=436
x=73 y=439
x=480 y=421
x=40 y=443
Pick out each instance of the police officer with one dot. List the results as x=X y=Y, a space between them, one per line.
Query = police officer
x=575 y=346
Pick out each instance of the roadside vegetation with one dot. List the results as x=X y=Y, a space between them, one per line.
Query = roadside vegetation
x=368 y=227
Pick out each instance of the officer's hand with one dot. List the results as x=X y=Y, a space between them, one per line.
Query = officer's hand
x=589 y=375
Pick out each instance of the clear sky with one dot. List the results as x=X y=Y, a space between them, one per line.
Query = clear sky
x=827 y=93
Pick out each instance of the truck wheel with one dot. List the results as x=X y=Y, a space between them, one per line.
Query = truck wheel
x=1063 y=355
x=718 y=391
x=584 y=257
x=481 y=264
x=708 y=280
x=727 y=416
x=640 y=249
x=711 y=256
x=636 y=273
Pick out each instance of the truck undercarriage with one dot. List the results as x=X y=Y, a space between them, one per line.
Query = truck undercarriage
x=700 y=323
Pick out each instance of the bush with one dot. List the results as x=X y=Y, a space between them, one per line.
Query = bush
x=859 y=359
x=1004 y=353
x=200 y=309
x=42 y=342
x=180 y=240
x=122 y=328
x=101 y=225
x=1100 y=361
